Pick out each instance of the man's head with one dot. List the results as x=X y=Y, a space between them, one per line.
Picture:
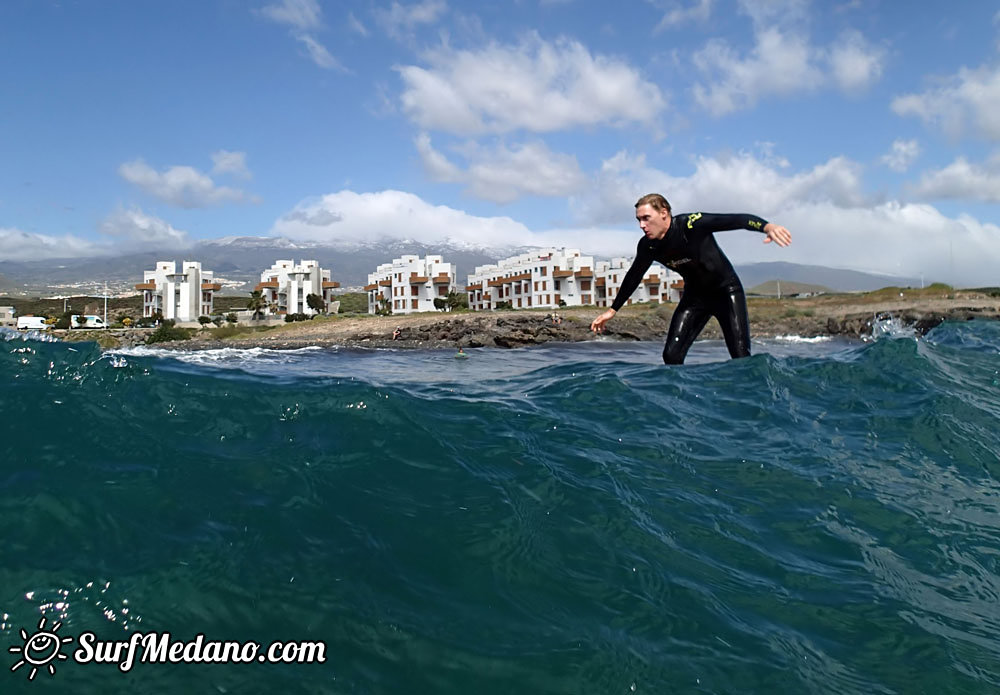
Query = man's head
x=653 y=213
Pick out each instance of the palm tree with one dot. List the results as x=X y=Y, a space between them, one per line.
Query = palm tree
x=257 y=304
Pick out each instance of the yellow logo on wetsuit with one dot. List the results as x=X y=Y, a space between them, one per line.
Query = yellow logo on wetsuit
x=692 y=218
x=755 y=224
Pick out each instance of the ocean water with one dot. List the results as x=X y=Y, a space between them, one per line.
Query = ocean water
x=823 y=517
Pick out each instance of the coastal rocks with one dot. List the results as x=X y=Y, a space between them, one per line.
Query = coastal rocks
x=862 y=325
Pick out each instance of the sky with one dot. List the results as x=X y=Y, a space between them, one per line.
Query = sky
x=869 y=128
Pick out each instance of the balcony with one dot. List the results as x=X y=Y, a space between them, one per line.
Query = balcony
x=442 y=279
x=562 y=273
x=418 y=279
x=369 y=288
x=652 y=280
x=584 y=273
x=385 y=283
x=328 y=285
x=146 y=286
x=211 y=286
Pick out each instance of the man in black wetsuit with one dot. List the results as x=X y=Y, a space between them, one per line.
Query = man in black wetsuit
x=711 y=287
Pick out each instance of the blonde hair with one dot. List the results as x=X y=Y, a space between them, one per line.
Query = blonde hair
x=655 y=201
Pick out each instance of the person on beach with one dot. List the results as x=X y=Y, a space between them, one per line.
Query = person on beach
x=711 y=287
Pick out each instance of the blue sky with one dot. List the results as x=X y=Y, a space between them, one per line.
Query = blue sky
x=870 y=128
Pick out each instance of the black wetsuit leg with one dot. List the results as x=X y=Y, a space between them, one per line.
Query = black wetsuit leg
x=689 y=319
x=735 y=322
x=728 y=306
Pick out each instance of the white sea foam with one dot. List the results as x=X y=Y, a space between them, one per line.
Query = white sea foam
x=9 y=334
x=218 y=356
x=888 y=326
x=801 y=339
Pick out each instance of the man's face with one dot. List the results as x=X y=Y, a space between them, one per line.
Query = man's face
x=654 y=223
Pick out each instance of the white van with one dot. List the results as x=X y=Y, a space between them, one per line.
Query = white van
x=31 y=323
x=88 y=321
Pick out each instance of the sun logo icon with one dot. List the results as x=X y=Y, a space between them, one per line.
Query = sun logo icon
x=40 y=649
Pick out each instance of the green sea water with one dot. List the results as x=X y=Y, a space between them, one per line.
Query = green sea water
x=823 y=517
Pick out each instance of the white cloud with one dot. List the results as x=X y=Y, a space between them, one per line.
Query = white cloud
x=304 y=18
x=779 y=64
x=967 y=101
x=901 y=155
x=400 y=21
x=347 y=216
x=700 y=11
x=782 y=60
x=832 y=222
x=356 y=26
x=134 y=228
x=123 y=231
x=962 y=180
x=319 y=54
x=536 y=86
x=226 y=162
x=503 y=174
x=303 y=15
x=766 y=13
x=742 y=183
x=855 y=63
x=16 y=245
x=435 y=163
x=182 y=186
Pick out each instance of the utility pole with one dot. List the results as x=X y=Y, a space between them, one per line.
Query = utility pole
x=105 y=304
x=779 y=288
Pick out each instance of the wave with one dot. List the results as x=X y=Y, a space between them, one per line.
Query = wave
x=576 y=518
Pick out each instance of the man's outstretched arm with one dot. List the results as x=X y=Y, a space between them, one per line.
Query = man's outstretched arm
x=630 y=282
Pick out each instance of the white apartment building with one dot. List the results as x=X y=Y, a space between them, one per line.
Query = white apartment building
x=542 y=278
x=286 y=286
x=7 y=317
x=181 y=296
x=659 y=284
x=549 y=277
x=410 y=284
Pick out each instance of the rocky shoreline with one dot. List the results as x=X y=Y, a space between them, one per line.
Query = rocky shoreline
x=853 y=318
x=849 y=316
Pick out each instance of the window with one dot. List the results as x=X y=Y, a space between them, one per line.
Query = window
x=585 y=285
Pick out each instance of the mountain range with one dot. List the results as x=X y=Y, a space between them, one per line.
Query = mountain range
x=240 y=260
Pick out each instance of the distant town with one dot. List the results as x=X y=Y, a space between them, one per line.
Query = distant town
x=186 y=293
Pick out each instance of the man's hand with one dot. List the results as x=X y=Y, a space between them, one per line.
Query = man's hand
x=598 y=324
x=778 y=234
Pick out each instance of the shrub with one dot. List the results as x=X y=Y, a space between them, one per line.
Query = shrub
x=168 y=332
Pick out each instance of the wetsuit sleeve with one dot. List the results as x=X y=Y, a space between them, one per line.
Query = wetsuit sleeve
x=703 y=223
x=643 y=259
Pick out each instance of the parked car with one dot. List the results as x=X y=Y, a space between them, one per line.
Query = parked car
x=31 y=323
x=87 y=321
